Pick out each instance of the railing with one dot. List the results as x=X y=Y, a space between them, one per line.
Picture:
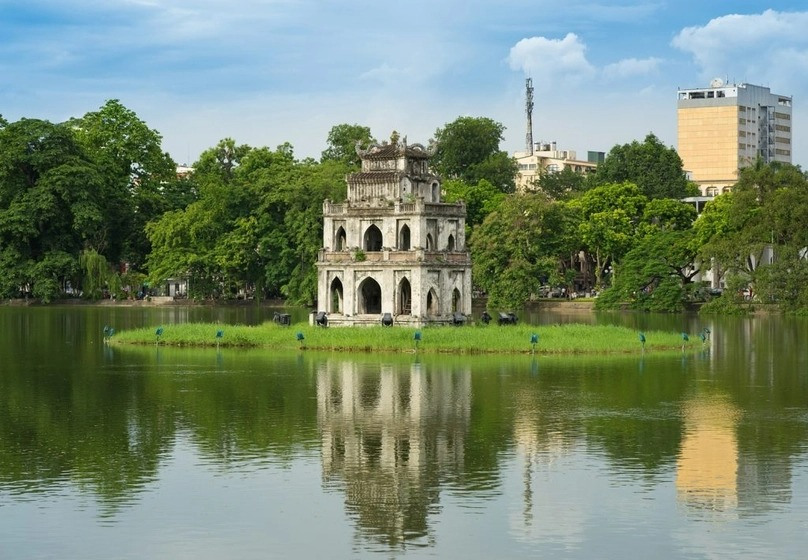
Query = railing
x=396 y=207
x=415 y=256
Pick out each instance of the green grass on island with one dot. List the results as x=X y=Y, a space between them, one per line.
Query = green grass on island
x=477 y=339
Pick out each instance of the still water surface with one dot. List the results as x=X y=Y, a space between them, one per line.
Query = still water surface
x=161 y=453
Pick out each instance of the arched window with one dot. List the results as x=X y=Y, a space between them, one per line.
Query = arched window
x=370 y=297
x=430 y=243
x=457 y=302
x=404 y=303
x=404 y=238
x=432 y=304
x=340 y=239
x=336 y=296
x=450 y=243
x=373 y=239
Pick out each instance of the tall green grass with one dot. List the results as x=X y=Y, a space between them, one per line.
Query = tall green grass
x=478 y=339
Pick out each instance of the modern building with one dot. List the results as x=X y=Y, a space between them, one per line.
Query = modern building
x=547 y=158
x=725 y=127
x=393 y=251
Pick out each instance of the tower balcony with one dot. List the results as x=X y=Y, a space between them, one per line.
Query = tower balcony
x=394 y=207
x=392 y=256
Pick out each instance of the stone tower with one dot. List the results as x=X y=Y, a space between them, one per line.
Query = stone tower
x=393 y=247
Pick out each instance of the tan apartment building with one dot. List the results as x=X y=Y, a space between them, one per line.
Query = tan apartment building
x=725 y=127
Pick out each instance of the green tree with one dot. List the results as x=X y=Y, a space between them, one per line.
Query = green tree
x=652 y=166
x=52 y=206
x=764 y=215
x=481 y=199
x=136 y=173
x=610 y=217
x=668 y=214
x=517 y=246
x=468 y=149
x=656 y=274
x=562 y=185
x=342 y=140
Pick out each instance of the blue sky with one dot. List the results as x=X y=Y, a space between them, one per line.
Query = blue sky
x=266 y=72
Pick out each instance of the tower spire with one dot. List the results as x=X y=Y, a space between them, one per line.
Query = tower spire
x=529 y=110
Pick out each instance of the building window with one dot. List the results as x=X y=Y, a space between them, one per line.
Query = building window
x=373 y=239
x=340 y=239
x=336 y=296
x=404 y=238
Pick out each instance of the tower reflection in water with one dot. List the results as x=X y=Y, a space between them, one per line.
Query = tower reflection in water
x=390 y=433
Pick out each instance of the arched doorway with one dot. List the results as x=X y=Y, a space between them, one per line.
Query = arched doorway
x=404 y=238
x=432 y=304
x=404 y=303
x=370 y=297
x=450 y=243
x=457 y=301
x=336 y=296
x=340 y=240
x=373 y=239
x=430 y=243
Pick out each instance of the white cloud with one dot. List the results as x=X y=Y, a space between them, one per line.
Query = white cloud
x=770 y=48
x=552 y=59
x=631 y=67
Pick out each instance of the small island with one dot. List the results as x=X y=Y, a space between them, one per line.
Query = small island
x=562 y=339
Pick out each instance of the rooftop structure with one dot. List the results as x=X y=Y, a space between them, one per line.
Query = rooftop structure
x=547 y=158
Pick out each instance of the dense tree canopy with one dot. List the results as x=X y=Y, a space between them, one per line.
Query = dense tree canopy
x=94 y=204
x=468 y=149
x=480 y=199
x=258 y=222
x=609 y=222
x=562 y=185
x=342 y=140
x=54 y=202
x=757 y=232
x=652 y=166
x=517 y=247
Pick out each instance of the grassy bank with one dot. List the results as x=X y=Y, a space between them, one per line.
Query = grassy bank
x=552 y=339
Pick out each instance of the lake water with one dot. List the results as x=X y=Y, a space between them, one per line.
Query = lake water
x=161 y=453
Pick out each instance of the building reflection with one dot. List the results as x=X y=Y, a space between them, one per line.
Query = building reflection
x=539 y=441
x=389 y=434
x=714 y=477
x=707 y=466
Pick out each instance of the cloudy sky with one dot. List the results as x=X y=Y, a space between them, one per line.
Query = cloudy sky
x=266 y=72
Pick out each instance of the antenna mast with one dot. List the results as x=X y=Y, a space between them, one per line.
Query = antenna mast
x=529 y=109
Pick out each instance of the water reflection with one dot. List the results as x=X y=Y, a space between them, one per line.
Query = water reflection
x=523 y=455
x=707 y=466
x=715 y=478
x=389 y=433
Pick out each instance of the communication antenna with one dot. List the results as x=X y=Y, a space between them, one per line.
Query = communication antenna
x=529 y=109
